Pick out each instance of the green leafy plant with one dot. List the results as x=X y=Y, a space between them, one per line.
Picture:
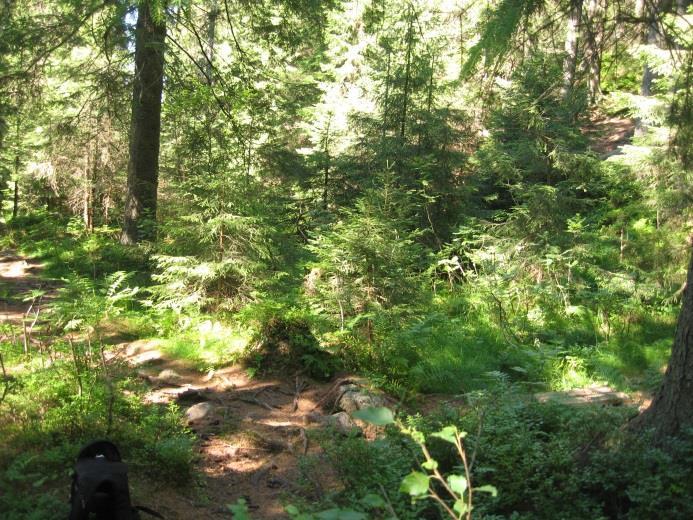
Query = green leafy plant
x=425 y=484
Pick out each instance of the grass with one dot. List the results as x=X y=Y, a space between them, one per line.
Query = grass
x=458 y=343
x=55 y=406
x=46 y=421
x=210 y=345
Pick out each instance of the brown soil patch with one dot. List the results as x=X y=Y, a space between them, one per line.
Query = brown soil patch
x=18 y=277
x=250 y=442
x=608 y=133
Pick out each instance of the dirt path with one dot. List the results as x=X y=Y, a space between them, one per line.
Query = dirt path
x=18 y=278
x=24 y=300
x=608 y=133
x=252 y=433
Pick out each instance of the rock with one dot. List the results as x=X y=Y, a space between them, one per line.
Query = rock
x=169 y=377
x=190 y=396
x=314 y=418
x=200 y=412
x=343 y=423
x=355 y=398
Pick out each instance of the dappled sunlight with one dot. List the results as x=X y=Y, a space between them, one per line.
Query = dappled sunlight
x=348 y=259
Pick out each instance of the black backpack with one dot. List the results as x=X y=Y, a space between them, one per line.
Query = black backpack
x=99 y=488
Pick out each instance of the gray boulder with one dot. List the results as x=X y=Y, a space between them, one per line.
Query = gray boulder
x=354 y=397
x=200 y=412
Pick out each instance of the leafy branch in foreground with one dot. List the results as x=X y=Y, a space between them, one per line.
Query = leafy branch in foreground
x=420 y=484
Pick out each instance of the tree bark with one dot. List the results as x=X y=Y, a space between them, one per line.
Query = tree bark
x=211 y=38
x=649 y=38
x=326 y=166
x=672 y=408
x=571 y=47
x=89 y=194
x=594 y=35
x=407 y=73
x=15 y=198
x=145 y=130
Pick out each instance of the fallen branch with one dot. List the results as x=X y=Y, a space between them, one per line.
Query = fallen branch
x=256 y=401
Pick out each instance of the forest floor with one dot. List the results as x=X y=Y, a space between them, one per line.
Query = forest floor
x=19 y=278
x=607 y=134
x=252 y=432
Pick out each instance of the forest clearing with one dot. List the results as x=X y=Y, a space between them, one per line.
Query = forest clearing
x=346 y=259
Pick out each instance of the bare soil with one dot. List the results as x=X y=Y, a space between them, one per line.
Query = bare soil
x=248 y=445
x=18 y=278
x=608 y=134
x=250 y=441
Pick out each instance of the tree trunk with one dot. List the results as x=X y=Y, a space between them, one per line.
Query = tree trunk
x=326 y=166
x=143 y=167
x=672 y=407
x=407 y=73
x=386 y=101
x=86 y=199
x=593 y=31
x=649 y=10
x=571 y=47
x=211 y=38
x=15 y=199
x=90 y=186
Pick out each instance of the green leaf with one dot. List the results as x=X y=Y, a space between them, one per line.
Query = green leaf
x=379 y=416
x=415 y=434
x=373 y=500
x=239 y=510
x=415 y=484
x=487 y=489
x=449 y=434
x=458 y=484
x=430 y=465
x=460 y=507
x=292 y=510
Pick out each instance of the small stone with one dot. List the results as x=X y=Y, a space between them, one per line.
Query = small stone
x=199 y=412
x=313 y=417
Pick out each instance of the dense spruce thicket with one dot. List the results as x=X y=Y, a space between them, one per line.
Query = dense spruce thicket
x=481 y=199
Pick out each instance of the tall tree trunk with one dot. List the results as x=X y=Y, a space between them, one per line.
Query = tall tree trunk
x=211 y=37
x=571 y=47
x=672 y=407
x=407 y=79
x=90 y=186
x=326 y=166
x=5 y=20
x=145 y=130
x=593 y=32
x=649 y=10
x=386 y=101
x=86 y=197
x=15 y=199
